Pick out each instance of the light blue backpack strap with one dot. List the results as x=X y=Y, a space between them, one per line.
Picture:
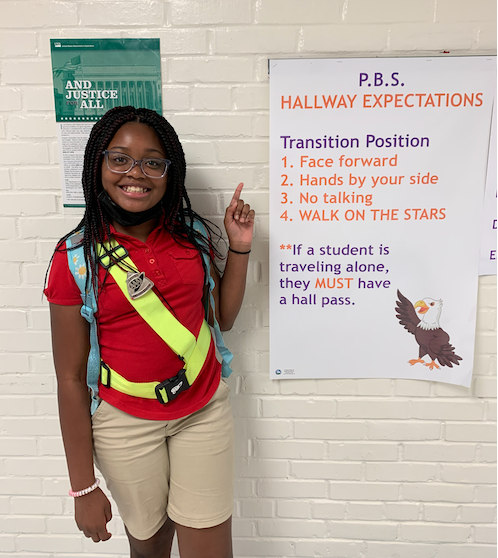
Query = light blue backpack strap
x=77 y=265
x=225 y=353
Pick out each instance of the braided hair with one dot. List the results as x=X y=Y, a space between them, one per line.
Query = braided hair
x=179 y=215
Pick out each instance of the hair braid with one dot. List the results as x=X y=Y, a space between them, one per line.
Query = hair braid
x=176 y=203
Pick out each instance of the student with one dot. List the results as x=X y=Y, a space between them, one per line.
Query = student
x=164 y=451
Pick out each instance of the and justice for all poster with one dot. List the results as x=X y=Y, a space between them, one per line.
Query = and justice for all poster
x=377 y=175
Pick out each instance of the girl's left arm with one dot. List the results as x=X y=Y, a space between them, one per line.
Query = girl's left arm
x=229 y=291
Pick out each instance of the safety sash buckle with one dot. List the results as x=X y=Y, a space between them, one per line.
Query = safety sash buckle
x=113 y=256
x=170 y=388
x=105 y=374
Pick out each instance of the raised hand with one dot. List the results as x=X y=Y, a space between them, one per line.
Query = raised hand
x=239 y=222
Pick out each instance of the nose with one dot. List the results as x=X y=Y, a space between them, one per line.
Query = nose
x=136 y=170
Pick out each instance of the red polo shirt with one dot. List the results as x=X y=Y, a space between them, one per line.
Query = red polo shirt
x=127 y=343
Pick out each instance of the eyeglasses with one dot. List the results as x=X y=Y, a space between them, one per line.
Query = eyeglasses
x=121 y=163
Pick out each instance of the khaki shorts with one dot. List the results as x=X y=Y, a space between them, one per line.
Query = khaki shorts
x=182 y=469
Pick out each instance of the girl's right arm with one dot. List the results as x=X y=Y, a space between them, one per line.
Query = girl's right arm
x=71 y=346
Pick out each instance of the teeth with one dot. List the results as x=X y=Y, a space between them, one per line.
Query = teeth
x=134 y=189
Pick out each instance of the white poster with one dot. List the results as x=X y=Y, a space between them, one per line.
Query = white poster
x=377 y=172
x=488 y=246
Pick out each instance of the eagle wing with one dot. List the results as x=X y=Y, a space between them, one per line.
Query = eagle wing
x=440 y=349
x=405 y=312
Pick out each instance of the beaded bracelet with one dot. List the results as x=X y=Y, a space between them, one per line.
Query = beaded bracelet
x=85 y=490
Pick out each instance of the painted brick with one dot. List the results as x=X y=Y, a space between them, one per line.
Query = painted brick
x=209 y=70
x=250 y=467
x=38 y=14
x=293 y=509
x=195 y=12
x=132 y=14
x=412 y=388
x=9 y=274
x=334 y=430
x=432 y=533
x=332 y=549
x=295 y=408
x=243 y=40
x=485 y=495
x=326 y=470
x=350 y=530
x=199 y=152
x=243 y=151
x=176 y=41
x=291 y=489
x=387 y=11
x=401 y=550
x=455 y=410
x=288 y=449
x=324 y=11
x=17 y=406
x=485 y=534
x=14 y=363
x=459 y=10
x=365 y=512
x=36 y=341
x=18 y=446
x=400 y=431
x=49 y=543
x=17 y=43
x=10 y=98
x=484 y=36
x=486 y=454
x=36 y=178
x=439 y=452
x=15 y=153
x=257 y=508
x=474 y=473
x=31 y=127
x=20 y=524
x=16 y=251
x=328 y=510
x=18 y=486
x=35 y=71
x=373 y=409
x=436 y=513
x=5 y=179
x=402 y=511
x=341 y=38
x=466 y=550
x=363 y=491
x=251 y=97
x=200 y=125
x=211 y=98
x=401 y=472
x=478 y=514
x=441 y=36
x=436 y=492
x=263 y=547
x=7 y=228
x=359 y=451
x=38 y=98
x=470 y=433
x=289 y=527
x=25 y=384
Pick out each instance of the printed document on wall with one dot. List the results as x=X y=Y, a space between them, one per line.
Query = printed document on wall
x=377 y=175
x=90 y=77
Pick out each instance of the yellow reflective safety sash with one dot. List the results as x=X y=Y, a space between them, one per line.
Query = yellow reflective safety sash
x=192 y=351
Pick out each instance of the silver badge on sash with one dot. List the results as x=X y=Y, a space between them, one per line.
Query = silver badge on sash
x=137 y=284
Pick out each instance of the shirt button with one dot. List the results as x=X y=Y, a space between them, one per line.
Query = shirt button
x=152 y=261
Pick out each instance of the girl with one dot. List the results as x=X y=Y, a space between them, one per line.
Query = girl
x=162 y=434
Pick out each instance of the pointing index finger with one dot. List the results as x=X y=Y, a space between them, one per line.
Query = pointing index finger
x=236 y=195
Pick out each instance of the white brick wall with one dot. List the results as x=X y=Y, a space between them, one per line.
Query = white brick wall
x=331 y=468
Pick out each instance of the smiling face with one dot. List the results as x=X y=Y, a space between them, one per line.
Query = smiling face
x=133 y=191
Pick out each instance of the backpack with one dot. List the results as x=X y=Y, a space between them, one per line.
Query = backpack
x=76 y=261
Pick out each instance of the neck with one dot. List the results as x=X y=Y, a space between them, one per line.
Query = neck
x=140 y=232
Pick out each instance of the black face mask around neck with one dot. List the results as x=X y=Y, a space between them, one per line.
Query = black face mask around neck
x=127 y=218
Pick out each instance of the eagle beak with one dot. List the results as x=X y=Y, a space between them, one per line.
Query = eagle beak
x=422 y=305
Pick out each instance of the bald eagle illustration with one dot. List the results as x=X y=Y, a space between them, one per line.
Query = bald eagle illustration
x=422 y=319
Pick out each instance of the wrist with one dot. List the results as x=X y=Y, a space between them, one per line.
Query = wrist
x=239 y=247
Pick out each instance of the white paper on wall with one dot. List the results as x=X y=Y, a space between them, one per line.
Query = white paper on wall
x=377 y=172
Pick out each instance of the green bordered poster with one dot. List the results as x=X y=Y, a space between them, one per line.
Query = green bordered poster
x=90 y=77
